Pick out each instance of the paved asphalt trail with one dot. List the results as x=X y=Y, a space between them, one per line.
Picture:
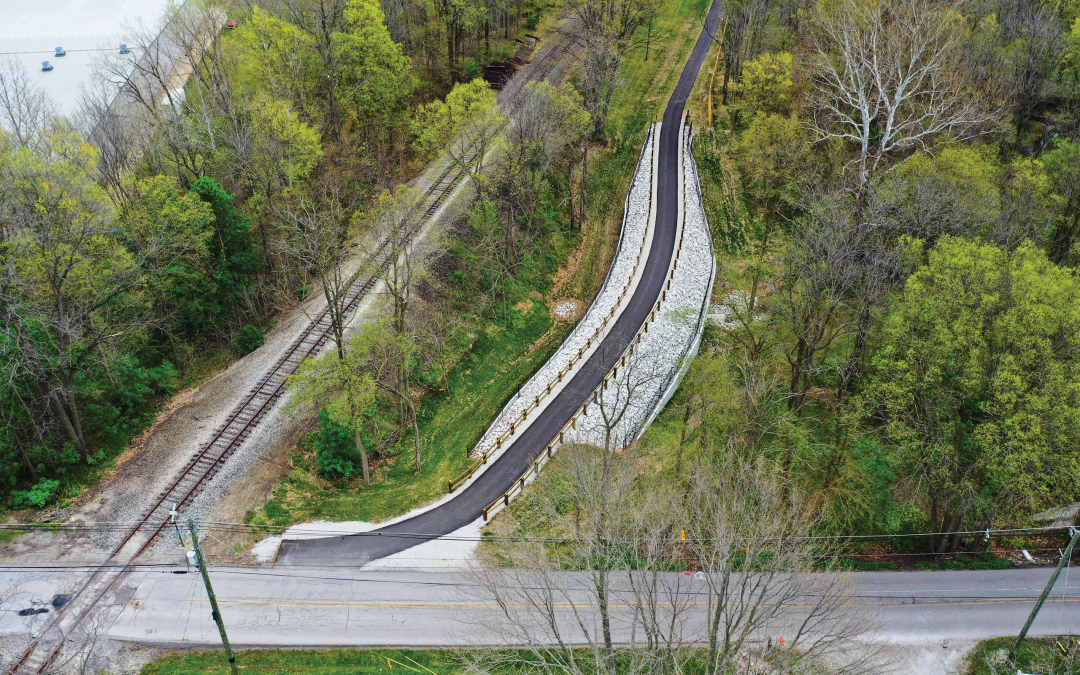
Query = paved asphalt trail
x=356 y=550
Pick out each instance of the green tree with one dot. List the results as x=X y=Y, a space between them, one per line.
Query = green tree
x=282 y=153
x=766 y=85
x=376 y=74
x=162 y=211
x=1073 y=71
x=281 y=57
x=66 y=270
x=284 y=149
x=1063 y=169
x=978 y=384
x=230 y=247
x=340 y=385
x=774 y=159
x=450 y=124
x=956 y=191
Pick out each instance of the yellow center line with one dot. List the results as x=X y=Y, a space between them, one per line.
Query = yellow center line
x=407 y=604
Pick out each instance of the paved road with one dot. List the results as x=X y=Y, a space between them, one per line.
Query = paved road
x=354 y=551
x=312 y=607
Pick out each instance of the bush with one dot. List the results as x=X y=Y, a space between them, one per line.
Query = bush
x=36 y=497
x=868 y=565
x=248 y=339
x=337 y=453
x=984 y=561
x=123 y=405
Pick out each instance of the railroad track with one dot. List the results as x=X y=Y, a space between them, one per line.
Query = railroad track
x=543 y=66
x=45 y=648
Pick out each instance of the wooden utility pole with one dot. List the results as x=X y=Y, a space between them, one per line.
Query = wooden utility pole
x=213 y=598
x=1046 y=591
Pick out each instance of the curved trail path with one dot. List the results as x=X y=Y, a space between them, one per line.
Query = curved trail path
x=359 y=549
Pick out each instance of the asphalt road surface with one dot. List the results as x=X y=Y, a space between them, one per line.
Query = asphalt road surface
x=315 y=607
x=355 y=551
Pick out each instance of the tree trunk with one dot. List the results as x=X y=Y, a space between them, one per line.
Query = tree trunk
x=682 y=440
x=69 y=415
x=584 y=173
x=363 y=453
x=1065 y=234
x=851 y=371
x=450 y=49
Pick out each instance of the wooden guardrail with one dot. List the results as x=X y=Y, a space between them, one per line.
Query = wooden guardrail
x=546 y=453
x=568 y=368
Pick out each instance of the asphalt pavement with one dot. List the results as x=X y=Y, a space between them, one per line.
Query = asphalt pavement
x=318 y=607
x=355 y=551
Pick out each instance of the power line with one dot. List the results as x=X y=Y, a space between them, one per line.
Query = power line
x=285 y=570
x=279 y=530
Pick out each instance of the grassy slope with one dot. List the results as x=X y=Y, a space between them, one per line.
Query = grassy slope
x=1036 y=655
x=501 y=360
x=330 y=662
x=640 y=97
x=450 y=422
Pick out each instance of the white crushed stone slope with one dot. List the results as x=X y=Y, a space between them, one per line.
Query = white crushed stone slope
x=639 y=390
x=636 y=236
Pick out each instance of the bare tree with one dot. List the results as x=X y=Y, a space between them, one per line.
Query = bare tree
x=608 y=29
x=398 y=217
x=151 y=115
x=549 y=126
x=743 y=36
x=1035 y=32
x=622 y=609
x=24 y=110
x=118 y=139
x=316 y=232
x=819 y=271
x=888 y=77
x=750 y=537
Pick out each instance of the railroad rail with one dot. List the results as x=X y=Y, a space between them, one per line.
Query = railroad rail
x=226 y=439
x=44 y=649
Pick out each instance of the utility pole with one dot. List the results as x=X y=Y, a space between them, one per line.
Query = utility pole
x=1075 y=533
x=213 y=598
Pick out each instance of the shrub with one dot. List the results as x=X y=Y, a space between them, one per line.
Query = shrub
x=868 y=565
x=36 y=497
x=337 y=453
x=248 y=339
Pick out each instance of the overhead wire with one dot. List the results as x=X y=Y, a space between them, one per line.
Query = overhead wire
x=301 y=533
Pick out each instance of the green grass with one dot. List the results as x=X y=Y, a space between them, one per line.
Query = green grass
x=8 y=535
x=501 y=360
x=1036 y=655
x=330 y=662
x=639 y=98
x=451 y=422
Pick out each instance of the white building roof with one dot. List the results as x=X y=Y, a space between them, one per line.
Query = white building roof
x=31 y=30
